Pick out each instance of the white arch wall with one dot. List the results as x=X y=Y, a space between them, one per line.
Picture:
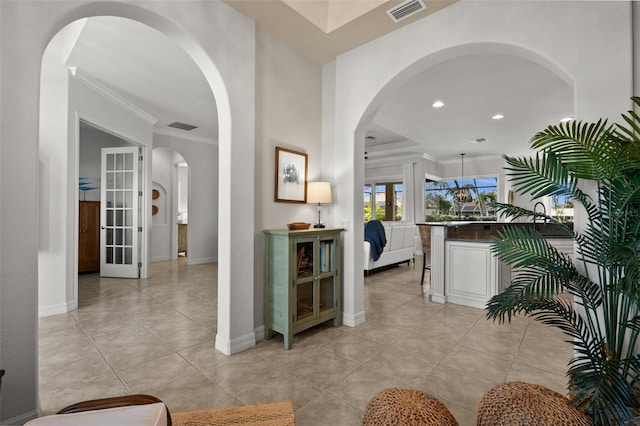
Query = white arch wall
x=289 y=115
x=202 y=159
x=163 y=222
x=589 y=42
x=217 y=34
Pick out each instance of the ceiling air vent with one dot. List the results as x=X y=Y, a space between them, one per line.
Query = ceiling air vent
x=182 y=126
x=406 y=9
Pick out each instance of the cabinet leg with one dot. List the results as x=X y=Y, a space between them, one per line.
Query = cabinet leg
x=288 y=340
x=268 y=333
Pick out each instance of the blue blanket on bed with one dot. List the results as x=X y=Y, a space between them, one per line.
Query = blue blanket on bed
x=375 y=235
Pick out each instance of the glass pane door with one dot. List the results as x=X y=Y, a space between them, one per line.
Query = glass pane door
x=119 y=213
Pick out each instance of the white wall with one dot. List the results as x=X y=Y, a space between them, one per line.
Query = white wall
x=183 y=188
x=53 y=179
x=481 y=167
x=383 y=173
x=89 y=158
x=364 y=77
x=288 y=115
x=202 y=159
x=161 y=180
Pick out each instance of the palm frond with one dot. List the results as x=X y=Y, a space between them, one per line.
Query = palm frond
x=523 y=247
x=597 y=382
x=559 y=313
x=583 y=147
x=589 y=293
x=541 y=176
x=599 y=386
x=633 y=120
x=511 y=211
x=513 y=300
x=603 y=319
x=629 y=136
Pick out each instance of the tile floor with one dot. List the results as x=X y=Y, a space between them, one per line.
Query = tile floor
x=156 y=336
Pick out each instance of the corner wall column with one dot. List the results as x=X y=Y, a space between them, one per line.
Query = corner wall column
x=437 y=290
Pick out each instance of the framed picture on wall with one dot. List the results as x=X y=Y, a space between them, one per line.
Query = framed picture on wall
x=291 y=176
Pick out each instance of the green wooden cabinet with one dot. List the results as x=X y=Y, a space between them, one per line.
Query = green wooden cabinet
x=302 y=280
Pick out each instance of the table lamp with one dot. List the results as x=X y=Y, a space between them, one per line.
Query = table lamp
x=319 y=192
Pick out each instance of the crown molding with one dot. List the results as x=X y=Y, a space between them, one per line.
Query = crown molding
x=100 y=88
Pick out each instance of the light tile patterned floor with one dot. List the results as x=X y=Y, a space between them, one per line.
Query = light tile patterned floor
x=156 y=336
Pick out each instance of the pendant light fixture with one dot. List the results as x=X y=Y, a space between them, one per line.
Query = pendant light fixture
x=462 y=194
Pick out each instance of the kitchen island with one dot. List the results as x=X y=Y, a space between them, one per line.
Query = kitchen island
x=463 y=269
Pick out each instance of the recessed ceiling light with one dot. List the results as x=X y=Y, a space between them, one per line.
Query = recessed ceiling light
x=564 y=120
x=498 y=117
x=438 y=104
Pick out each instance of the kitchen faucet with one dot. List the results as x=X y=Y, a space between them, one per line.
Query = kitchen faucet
x=544 y=212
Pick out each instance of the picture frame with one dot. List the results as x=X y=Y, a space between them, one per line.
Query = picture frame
x=290 y=176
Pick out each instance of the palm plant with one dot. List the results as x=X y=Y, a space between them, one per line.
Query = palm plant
x=597 y=166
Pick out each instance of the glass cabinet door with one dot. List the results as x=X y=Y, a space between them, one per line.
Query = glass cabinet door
x=314 y=277
x=327 y=297
x=326 y=256
x=326 y=272
x=304 y=301
x=304 y=260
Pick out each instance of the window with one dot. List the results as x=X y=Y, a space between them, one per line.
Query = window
x=443 y=200
x=561 y=209
x=367 y=203
x=387 y=201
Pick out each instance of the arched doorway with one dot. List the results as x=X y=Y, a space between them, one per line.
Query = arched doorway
x=31 y=30
x=88 y=96
x=234 y=178
x=171 y=185
x=382 y=90
x=19 y=353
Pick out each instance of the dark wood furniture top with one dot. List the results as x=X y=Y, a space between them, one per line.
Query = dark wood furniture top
x=113 y=402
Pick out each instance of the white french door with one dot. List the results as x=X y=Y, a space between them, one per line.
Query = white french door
x=119 y=213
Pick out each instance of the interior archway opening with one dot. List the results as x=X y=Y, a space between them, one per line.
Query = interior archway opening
x=483 y=100
x=69 y=108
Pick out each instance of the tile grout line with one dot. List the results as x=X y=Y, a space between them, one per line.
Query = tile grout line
x=93 y=343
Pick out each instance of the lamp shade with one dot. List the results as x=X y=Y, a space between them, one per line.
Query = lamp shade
x=319 y=192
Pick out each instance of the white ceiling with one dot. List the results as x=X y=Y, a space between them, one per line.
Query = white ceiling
x=148 y=69
x=323 y=29
x=474 y=88
x=152 y=72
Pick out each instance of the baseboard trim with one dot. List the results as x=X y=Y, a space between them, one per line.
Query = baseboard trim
x=202 y=260
x=161 y=258
x=234 y=346
x=438 y=299
x=353 y=320
x=55 y=309
x=259 y=332
x=467 y=301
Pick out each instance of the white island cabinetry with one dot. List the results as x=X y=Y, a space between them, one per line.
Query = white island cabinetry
x=472 y=273
x=463 y=269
